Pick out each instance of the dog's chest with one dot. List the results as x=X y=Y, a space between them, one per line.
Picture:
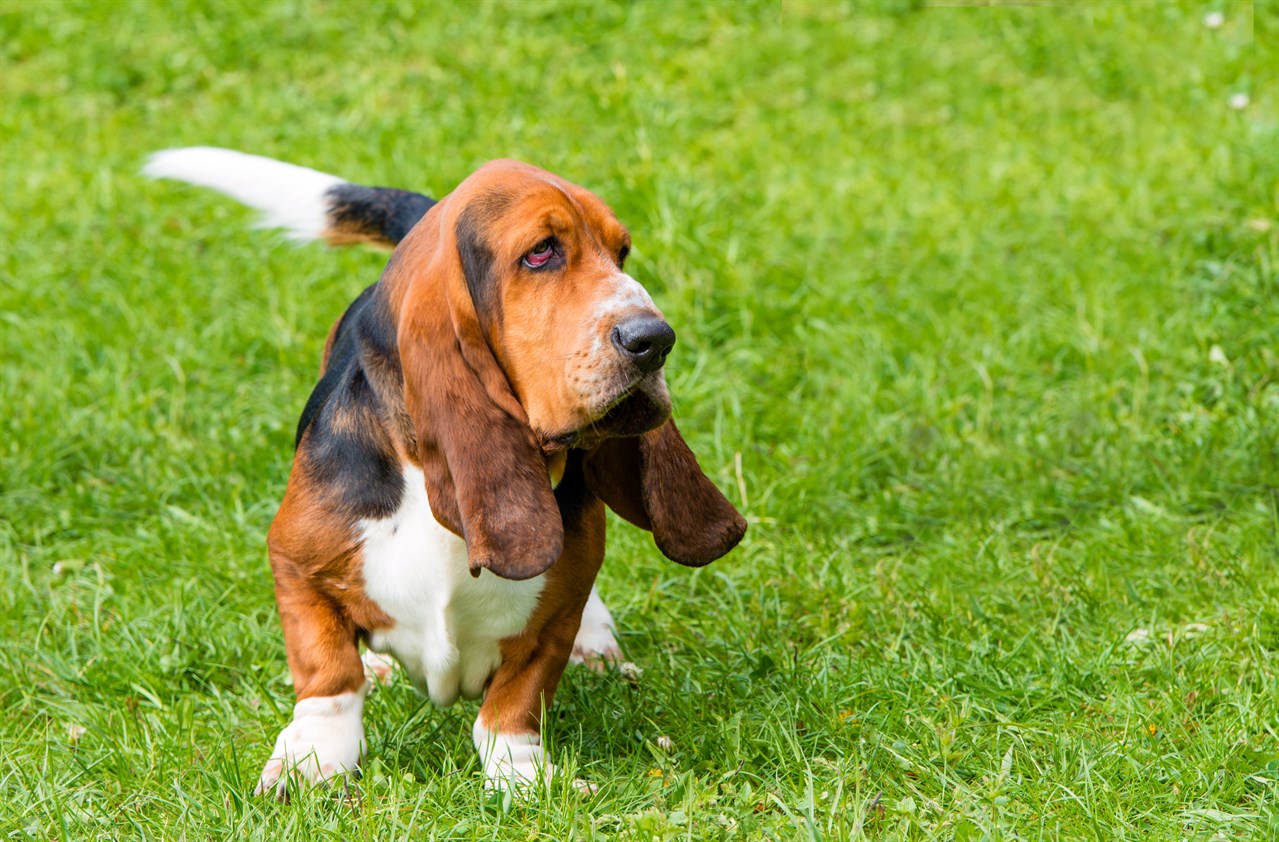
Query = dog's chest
x=447 y=623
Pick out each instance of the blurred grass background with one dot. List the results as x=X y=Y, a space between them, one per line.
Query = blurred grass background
x=978 y=312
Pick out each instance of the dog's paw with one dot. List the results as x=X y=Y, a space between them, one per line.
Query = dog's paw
x=595 y=645
x=597 y=650
x=515 y=762
x=378 y=669
x=325 y=740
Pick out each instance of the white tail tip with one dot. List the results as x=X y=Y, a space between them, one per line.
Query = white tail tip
x=290 y=197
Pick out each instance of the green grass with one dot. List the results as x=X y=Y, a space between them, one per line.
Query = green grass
x=979 y=324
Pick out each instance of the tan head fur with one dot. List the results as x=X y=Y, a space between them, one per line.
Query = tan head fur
x=521 y=336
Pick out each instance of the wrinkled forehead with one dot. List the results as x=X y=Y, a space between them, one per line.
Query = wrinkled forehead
x=512 y=206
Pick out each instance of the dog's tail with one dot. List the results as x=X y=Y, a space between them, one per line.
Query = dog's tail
x=308 y=204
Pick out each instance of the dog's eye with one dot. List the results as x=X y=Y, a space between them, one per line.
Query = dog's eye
x=622 y=255
x=541 y=254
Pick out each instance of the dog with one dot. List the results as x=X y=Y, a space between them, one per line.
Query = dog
x=477 y=409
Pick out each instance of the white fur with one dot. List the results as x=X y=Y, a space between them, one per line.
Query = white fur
x=447 y=623
x=627 y=295
x=290 y=197
x=325 y=739
x=594 y=646
x=595 y=643
x=511 y=760
x=378 y=669
x=446 y=636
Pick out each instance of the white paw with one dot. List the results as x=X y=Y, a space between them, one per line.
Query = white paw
x=378 y=669
x=324 y=740
x=595 y=645
x=512 y=761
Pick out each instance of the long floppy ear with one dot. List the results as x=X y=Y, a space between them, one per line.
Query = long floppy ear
x=486 y=477
x=653 y=480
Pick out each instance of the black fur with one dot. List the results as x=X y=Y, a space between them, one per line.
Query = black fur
x=477 y=266
x=343 y=352
x=572 y=494
x=375 y=332
x=383 y=213
x=354 y=460
x=341 y=435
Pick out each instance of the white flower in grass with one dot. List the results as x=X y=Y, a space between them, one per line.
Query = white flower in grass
x=629 y=671
x=1137 y=636
x=664 y=743
x=1214 y=20
x=1239 y=101
x=75 y=731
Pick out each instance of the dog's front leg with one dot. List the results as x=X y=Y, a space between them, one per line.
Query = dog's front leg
x=508 y=732
x=325 y=739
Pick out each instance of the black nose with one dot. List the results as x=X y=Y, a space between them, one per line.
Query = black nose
x=644 y=341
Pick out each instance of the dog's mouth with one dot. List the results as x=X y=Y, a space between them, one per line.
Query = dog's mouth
x=642 y=406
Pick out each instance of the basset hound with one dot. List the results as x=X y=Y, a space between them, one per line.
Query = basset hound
x=477 y=409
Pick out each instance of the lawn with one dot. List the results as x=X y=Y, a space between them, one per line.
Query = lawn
x=978 y=315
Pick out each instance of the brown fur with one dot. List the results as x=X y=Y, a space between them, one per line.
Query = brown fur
x=653 y=480
x=483 y=416
x=318 y=590
x=485 y=397
x=534 y=660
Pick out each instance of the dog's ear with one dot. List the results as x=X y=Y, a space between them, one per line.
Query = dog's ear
x=653 y=480
x=486 y=477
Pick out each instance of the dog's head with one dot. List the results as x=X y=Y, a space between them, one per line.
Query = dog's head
x=520 y=337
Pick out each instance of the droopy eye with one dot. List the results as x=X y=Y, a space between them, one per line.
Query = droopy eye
x=541 y=254
x=622 y=255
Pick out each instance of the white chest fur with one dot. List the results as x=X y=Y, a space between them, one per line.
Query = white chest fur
x=447 y=623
